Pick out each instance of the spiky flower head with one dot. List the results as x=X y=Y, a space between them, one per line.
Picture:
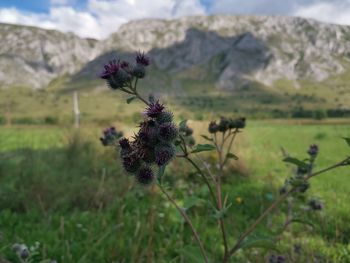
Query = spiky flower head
x=148 y=132
x=164 y=153
x=147 y=154
x=154 y=109
x=167 y=132
x=223 y=124
x=139 y=71
x=125 y=147
x=110 y=135
x=145 y=175
x=142 y=59
x=165 y=116
x=213 y=127
x=238 y=123
x=110 y=69
x=131 y=163
x=185 y=131
x=313 y=150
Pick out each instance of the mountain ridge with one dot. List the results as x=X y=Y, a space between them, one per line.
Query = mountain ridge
x=246 y=49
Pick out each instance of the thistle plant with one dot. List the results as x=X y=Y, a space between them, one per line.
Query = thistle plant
x=159 y=140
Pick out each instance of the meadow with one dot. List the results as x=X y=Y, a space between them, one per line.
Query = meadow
x=67 y=198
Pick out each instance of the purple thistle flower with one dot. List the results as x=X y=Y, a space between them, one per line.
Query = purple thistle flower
x=213 y=127
x=145 y=175
x=131 y=163
x=110 y=69
x=154 y=109
x=124 y=143
x=164 y=153
x=142 y=59
x=313 y=150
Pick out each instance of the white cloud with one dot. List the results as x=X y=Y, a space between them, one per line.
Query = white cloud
x=101 y=17
x=337 y=12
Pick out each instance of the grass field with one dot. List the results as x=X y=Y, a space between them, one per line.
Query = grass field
x=66 y=196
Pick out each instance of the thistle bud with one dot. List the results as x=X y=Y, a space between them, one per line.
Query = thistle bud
x=110 y=135
x=223 y=124
x=131 y=163
x=142 y=59
x=313 y=150
x=164 y=153
x=147 y=154
x=238 y=123
x=145 y=175
x=154 y=109
x=213 y=127
x=186 y=131
x=167 y=132
x=139 y=71
x=165 y=116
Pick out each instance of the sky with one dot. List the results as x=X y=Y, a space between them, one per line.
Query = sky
x=99 y=18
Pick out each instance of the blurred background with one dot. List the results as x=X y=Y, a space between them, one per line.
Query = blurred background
x=284 y=65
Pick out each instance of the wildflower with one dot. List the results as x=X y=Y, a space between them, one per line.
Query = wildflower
x=167 y=132
x=154 y=109
x=313 y=150
x=142 y=59
x=164 y=153
x=110 y=69
x=145 y=175
x=110 y=135
x=238 y=123
x=213 y=127
x=223 y=124
x=165 y=116
x=131 y=163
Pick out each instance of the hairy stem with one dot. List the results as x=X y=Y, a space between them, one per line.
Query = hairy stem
x=219 y=150
x=188 y=220
x=205 y=179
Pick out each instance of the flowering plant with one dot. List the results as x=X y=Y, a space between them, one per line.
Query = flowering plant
x=159 y=140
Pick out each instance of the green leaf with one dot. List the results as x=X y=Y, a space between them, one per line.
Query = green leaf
x=231 y=156
x=259 y=243
x=302 y=221
x=192 y=201
x=347 y=140
x=207 y=138
x=222 y=213
x=296 y=162
x=129 y=100
x=203 y=148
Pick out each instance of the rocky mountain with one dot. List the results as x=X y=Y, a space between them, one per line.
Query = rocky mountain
x=228 y=51
x=32 y=56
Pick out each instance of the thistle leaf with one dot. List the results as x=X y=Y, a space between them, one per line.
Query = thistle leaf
x=203 y=148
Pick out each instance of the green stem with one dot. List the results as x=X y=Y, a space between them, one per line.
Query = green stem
x=188 y=220
x=205 y=179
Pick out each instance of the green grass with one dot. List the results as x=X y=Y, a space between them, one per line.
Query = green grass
x=65 y=191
